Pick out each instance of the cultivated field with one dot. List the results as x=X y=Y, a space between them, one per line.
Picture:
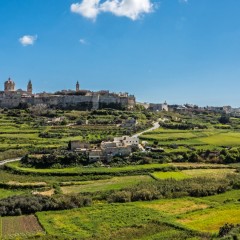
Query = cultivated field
x=210 y=138
x=135 y=220
x=90 y=170
x=193 y=173
x=22 y=226
x=115 y=221
x=210 y=220
x=114 y=183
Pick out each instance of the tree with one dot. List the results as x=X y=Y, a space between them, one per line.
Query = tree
x=224 y=119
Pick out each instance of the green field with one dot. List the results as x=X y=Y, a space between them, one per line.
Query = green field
x=174 y=207
x=112 y=221
x=230 y=196
x=208 y=173
x=114 y=183
x=210 y=220
x=174 y=175
x=90 y=170
x=210 y=138
x=205 y=214
x=4 y=193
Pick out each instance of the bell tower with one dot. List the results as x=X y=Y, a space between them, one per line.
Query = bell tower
x=29 y=87
x=77 y=86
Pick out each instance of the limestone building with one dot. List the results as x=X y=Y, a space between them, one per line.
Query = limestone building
x=9 y=86
x=65 y=99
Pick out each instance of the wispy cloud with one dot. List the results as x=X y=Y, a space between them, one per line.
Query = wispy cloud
x=132 y=9
x=183 y=1
x=27 y=40
x=83 y=41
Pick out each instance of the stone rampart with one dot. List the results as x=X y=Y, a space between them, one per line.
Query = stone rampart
x=81 y=102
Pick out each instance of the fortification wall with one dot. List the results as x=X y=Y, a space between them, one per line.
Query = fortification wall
x=94 y=101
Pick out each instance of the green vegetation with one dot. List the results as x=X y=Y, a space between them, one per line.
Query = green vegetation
x=4 y=193
x=27 y=204
x=112 y=221
x=184 y=186
x=174 y=175
x=210 y=220
x=38 y=129
x=230 y=196
x=209 y=173
x=114 y=183
x=132 y=169
x=173 y=207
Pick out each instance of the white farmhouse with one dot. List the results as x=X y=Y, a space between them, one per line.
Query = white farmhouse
x=126 y=140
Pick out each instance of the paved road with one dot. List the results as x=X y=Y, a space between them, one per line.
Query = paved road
x=9 y=160
x=155 y=126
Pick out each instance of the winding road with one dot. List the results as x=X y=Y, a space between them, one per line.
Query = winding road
x=155 y=126
x=9 y=160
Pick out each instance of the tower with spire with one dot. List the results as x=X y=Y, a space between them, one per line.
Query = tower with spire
x=29 y=87
x=77 y=86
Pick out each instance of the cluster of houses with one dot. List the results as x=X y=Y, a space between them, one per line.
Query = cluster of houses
x=120 y=146
x=192 y=107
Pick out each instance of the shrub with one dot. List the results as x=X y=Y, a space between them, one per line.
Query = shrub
x=120 y=197
x=225 y=229
x=19 y=205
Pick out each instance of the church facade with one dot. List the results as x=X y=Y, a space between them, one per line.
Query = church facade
x=65 y=99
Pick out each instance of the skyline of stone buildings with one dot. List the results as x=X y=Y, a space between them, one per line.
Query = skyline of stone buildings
x=64 y=99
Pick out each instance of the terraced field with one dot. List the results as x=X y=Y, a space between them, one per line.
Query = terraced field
x=210 y=220
x=22 y=226
x=112 y=221
x=114 y=183
x=144 y=220
x=210 y=138
x=193 y=173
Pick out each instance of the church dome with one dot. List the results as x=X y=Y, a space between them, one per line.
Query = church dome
x=9 y=85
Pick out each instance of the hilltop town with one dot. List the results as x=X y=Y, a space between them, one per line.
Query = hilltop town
x=66 y=99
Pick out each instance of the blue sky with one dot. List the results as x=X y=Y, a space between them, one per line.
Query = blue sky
x=182 y=51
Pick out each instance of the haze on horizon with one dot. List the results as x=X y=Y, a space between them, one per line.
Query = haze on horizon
x=182 y=51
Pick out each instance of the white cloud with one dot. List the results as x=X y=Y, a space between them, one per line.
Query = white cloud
x=132 y=9
x=28 y=40
x=83 y=41
x=88 y=8
x=128 y=8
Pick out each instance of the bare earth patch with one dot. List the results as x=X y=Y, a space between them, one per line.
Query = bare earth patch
x=20 y=226
x=48 y=193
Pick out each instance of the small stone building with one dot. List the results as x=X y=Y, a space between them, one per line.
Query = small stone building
x=95 y=155
x=78 y=145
